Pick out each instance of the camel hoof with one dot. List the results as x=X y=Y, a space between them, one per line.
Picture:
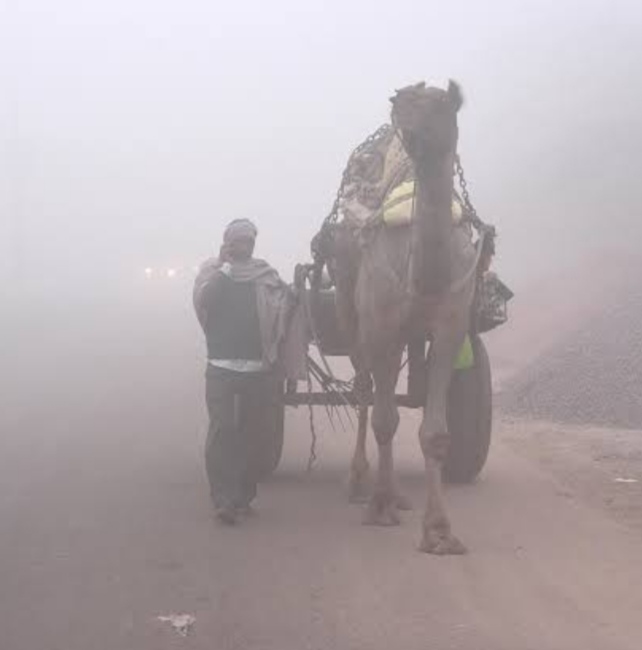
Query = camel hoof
x=403 y=503
x=360 y=487
x=357 y=497
x=382 y=511
x=441 y=543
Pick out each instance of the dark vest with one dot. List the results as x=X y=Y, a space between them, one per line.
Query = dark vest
x=232 y=325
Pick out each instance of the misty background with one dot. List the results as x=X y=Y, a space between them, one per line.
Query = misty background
x=133 y=131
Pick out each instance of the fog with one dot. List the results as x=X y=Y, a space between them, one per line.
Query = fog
x=133 y=131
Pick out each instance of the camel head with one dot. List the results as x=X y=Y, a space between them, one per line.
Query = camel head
x=427 y=120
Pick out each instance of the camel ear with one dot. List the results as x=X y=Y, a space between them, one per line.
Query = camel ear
x=455 y=95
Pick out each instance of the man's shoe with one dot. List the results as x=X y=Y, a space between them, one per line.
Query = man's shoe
x=227 y=515
x=246 y=510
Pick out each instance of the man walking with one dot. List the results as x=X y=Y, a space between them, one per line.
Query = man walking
x=242 y=306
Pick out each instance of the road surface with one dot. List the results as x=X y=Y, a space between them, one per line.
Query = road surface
x=106 y=526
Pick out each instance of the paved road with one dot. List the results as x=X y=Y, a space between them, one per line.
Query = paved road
x=106 y=526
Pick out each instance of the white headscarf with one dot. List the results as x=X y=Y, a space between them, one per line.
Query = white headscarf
x=240 y=229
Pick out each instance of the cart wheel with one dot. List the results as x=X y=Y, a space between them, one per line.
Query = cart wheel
x=272 y=442
x=470 y=418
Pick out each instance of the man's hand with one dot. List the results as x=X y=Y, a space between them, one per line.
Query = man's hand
x=224 y=254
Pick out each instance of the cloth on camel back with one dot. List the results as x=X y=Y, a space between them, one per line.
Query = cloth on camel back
x=380 y=184
x=379 y=188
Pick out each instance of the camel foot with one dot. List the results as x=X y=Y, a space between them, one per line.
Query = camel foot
x=360 y=486
x=403 y=502
x=382 y=510
x=438 y=541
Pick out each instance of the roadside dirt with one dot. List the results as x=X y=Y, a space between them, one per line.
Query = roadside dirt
x=601 y=467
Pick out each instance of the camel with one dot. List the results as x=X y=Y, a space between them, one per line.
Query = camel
x=400 y=283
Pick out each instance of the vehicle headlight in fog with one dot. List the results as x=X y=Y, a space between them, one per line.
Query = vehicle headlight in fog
x=149 y=272
x=171 y=273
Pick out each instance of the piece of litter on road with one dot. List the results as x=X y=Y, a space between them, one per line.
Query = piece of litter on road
x=182 y=623
x=625 y=480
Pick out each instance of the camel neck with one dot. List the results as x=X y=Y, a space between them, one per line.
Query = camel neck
x=432 y=229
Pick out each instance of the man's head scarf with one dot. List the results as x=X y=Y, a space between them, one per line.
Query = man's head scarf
x=239 y=229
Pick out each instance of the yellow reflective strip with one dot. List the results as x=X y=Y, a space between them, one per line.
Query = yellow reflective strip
x=391 y=203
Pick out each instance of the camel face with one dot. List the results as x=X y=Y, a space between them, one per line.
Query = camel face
x=427 y=119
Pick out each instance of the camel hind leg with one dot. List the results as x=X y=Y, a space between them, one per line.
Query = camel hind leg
x=360 y=485
x=382 y=509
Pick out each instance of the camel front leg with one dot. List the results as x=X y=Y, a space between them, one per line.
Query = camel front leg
x=437 y=537
x=383 y=506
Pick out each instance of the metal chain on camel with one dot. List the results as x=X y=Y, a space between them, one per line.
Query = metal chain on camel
x=471 y=212
x=382 y=131
x=373 y=137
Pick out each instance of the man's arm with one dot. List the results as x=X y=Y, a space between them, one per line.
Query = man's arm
x=206 y=290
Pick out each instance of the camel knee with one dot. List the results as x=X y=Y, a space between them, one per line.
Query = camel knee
x=385 y=420
x=363 y=384
x=435 y=445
